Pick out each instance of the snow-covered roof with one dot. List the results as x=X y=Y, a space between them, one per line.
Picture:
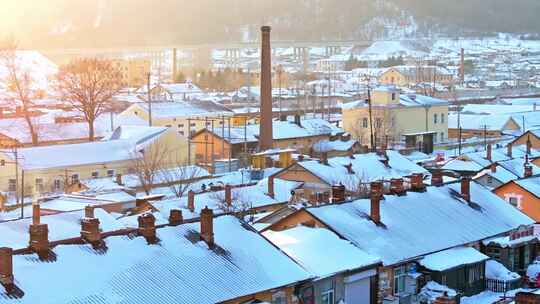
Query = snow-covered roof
x=531 y=184
x=62 y=226
x=412 y=70
x=58 y=156
x=451 y=258
x=327 y=145
x=320 y=251
x=184 y=108
x=244 y=197
x=367 y=167
x=281 y=130
x=438 y=219
x=497 y=271
x=180 y=269
x=405 y=100
x=180 y=88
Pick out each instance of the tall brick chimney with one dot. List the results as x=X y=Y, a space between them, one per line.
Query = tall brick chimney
x=488 y=152
x=175 y=217
x=466 y=188
x=6 y=267
x=228 y=195
x=191 y=200
x=207 y=226
x=266 y=132
x=376 y=189
x=39 y=240
x=462 y=66
x=147 y=227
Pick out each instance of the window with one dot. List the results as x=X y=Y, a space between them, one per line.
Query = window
x=180 y=126
x=513 y=201
x=378 y=123
x=435 y=116
x=110 y=173
x=399 y=279
x=490 y=179
x=393 y=95
x=75 y=179
x=192 y=124
x=95 y=174
x=57 y=185
x=327 y=297
x=365 y=122
x=434 y=137
x=279 y=298
x=181 y=133
x=168 y=126
x=442 y=117
x=39 y=184
x=442 y=136
x=12 y=187
x=136 y=113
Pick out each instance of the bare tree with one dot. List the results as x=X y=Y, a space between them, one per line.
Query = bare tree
x=240 y=204
x=20 y=84
x=147 y=164
x=180 y=178
x=89 y=85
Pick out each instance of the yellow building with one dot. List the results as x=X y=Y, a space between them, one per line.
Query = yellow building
x=50 y=169
x=394 y=115
x=405 y=75
x=184 y=117
x=134 y=71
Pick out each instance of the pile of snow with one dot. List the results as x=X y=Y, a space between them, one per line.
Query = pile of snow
x=432 y=290
x=497 y=271
x=533 y=270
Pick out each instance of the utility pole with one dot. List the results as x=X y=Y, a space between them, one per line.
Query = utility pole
x=149 y=100
x=17 y=197
x=22 y=193
x=372 y=139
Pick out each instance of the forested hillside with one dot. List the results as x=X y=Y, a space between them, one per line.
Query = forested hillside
x=91 y=23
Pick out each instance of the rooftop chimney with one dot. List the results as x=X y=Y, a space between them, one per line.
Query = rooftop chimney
x=376 y=189
x=147 y=227
x=191 y=200
x=493 y=167
x=466 y=188
x=175 y=217
x=297 y=120
x=90 y=231
x=39 y=240
x=351 y=154
x=417 y=182
x=207 y=226
x=301 y=157
x=6 y=267
x=266 y=133
x=396 y=187
x=271 y=186
x=88 y=211
x=119 y=179
x=488 y=152
x=436 y=178
x=527 y=170
x=228 y=195
x=36 y=213
x=338 y=193
x=324 y=158
x=349 y=168
x=509 y=150
x=529 y=145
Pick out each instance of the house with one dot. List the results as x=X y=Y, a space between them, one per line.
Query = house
x=298 y=134
x=173 y=91
x=183 y=117
x=532 y=136
x=353 y=172
x=480 y=125
x=430 y=234
x=523 y=193
x=47 y=169
x=394 y=116
x=216 y=260
x=134 y=71
x=336 y=146
x=341 y=271
x=515 y=251
x=409 y=75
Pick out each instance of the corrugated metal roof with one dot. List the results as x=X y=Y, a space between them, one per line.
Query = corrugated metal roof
x=180 y=269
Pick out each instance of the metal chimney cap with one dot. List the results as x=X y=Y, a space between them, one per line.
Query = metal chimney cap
x=266 y=28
